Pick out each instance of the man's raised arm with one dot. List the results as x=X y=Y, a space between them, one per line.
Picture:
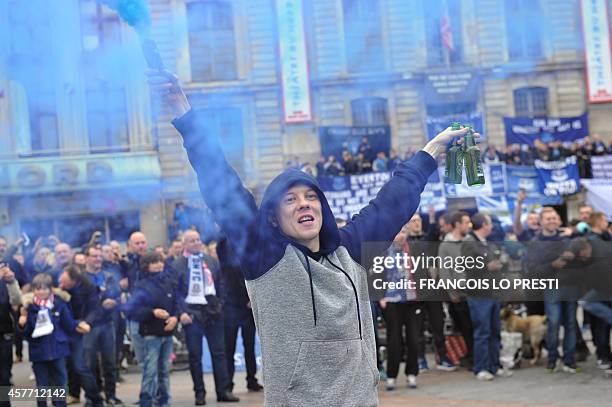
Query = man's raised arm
x=232 y=204
x=397 y=200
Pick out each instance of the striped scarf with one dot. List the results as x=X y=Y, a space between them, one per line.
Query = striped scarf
x=48 y=303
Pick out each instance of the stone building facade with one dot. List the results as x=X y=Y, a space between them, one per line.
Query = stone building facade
x=370 y=62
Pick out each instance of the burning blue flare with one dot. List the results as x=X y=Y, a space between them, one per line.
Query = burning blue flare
x=133 y=12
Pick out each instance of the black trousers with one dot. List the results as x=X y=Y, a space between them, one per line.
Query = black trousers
x=460 y=313
x=600 y=330
x=6 y=364
x=18 y=337
x=435 y=315
x=242 y=318
x=397 y=316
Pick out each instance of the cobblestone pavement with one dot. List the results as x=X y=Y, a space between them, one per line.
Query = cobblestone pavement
x=529 y=386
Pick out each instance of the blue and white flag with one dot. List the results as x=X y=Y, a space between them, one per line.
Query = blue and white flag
x=558 y=177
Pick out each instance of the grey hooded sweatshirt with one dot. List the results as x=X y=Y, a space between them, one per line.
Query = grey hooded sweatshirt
x=311 y=310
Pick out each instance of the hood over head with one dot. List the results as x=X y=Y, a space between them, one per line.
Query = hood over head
x=329 y=237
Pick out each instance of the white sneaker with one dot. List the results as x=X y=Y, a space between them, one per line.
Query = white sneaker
x=390 y=384
x=501 y=372
x=412 y=381
x=484 y=376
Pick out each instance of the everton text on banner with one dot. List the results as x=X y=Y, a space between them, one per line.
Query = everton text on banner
x=347 y=195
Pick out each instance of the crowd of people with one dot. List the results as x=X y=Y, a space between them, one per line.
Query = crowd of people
x=75 y=306
x=576 y=255
x=364 y=160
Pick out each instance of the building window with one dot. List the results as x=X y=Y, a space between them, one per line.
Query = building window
x=106 y=104
x=443 y=27
x=212 y=46
x=531 y=102
x=371 y=111
x=227 y=124
x=363 y=36
x=107 y=119
x=523 y=29
x=31 y=64
x=100 y=27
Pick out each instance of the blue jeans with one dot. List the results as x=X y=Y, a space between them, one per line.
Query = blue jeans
x=51 y=373
x=137 y=340
x=214 y=332
x=487 y=334
x=85 y=376
x=599 y=309
x=101 y=340
x=560 y=313
x=155 y=386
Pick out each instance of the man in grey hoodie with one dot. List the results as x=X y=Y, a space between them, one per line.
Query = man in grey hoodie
x=305 y=277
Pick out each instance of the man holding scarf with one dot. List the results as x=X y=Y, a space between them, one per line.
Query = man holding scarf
x=199 y=297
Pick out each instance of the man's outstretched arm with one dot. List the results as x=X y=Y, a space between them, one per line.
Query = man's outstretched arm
x=397 y=200
x=232 y=204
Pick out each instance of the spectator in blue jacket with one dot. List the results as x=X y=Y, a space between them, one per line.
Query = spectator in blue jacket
x=48 y=326
x=380 y=163
x=153 y=305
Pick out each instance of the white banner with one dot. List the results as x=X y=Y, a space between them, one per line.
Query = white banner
x=601 y=166
x=294 y=64
x=599 y=194
x=597 y=50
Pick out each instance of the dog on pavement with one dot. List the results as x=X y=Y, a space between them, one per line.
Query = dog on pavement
x=532 y=327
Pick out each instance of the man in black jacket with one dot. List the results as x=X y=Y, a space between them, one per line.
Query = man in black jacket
x=238 y=314
x=84 y=301
x=10 y=296
x=101 y=339
x=427 y=244
x=199 y=292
